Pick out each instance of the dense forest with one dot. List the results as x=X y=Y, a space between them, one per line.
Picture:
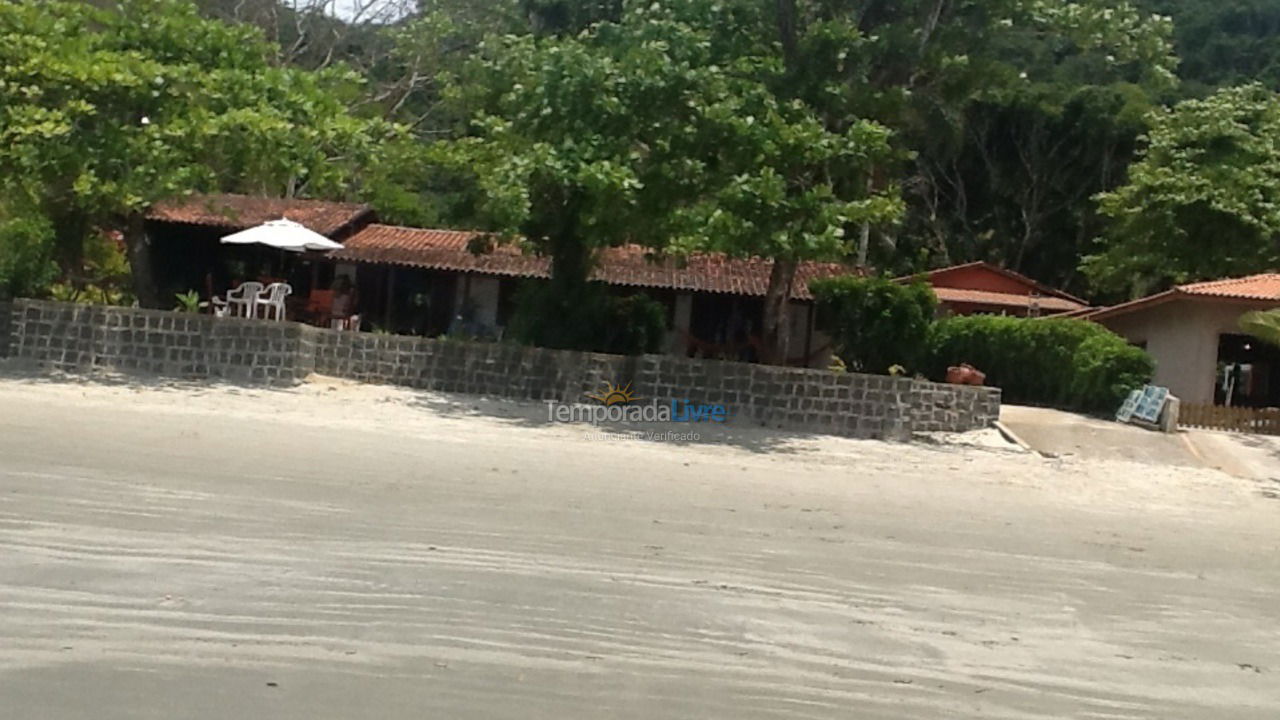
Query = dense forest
x=1111 y=147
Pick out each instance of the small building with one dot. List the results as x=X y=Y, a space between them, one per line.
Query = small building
x=984 y=288
x=184 y=235
x=426 y=281
x=431 y=282
x=1192 y=331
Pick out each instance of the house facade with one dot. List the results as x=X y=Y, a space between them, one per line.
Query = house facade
x=431 y=282
x=1192 y=331
x=983 y=288
x=443 y=279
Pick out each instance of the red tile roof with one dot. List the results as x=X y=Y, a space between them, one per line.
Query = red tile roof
x=1045 y=303
x=238 y=212
x=437 y=250
x=1038 y=295
x=1255 y=289
x=629 y=266
x=1032 y=285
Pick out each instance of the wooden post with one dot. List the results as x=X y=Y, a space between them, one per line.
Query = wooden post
x=808 y=334
x=391 y=287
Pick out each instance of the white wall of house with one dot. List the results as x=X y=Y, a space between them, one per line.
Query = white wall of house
x=1182 y=337
x=482 y=293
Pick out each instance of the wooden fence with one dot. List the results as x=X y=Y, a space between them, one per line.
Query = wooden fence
x=1261 y=421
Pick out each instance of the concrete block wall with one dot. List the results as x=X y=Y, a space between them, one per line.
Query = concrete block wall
x=847 y=404
x=495 y=369
x=843 y=404
x=83 y=338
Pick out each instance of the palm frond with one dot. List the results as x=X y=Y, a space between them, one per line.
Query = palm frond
x=1262 y=324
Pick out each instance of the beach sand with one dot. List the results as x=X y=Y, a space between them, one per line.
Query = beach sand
x=337 y=550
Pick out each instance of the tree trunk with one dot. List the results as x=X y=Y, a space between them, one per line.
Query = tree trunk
x=788 y=32
x=864 y=233
x=777 y=318
x=138 y=247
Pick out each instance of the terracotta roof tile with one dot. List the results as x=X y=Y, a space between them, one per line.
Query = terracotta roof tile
x=1263 y=288
x=437 y=250
x=1031 y=283
x=238 y=212
x=1254 y=287
x=986 y=297
x=628 y=266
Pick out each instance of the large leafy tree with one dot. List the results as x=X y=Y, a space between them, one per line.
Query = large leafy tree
x=1007 y=174
x=105 y=111
x=1203 y=201
x=662 y=129
x=1224 y=42
x=794 y=190
x=1015 y=113
x=1008 y=115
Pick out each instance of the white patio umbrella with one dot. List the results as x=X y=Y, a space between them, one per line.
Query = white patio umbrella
x=282 y=234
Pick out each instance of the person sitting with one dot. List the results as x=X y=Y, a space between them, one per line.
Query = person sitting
x=342 y=311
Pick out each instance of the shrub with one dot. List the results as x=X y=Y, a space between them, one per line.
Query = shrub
x=589 y=319
x=1061 y=362
x=27 y=268
x=1107 y=368
x=874 y=323
x=634 y=324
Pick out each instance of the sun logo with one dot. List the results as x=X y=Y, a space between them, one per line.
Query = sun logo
x=614 y=395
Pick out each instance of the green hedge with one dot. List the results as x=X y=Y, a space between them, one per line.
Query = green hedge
x=1060 y=362
x=875 y=323
x=27 y=268
x=588 y=317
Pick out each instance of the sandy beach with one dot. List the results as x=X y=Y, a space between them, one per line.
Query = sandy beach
x=339 y=551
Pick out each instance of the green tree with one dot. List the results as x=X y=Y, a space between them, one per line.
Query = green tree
x=103 y=112
x=1008 y=173
x=583 y=142
x=1224 y=42
x=662 y=129
x=27 y=266
x=979 y=86
x=1203 y=200
x=876 y=323
x=1262 y=324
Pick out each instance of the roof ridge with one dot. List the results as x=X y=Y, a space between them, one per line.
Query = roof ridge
x=1227 y=281
x=707 y=254
x=1045 y=289
x=214 y=196
x=442 y=249
x=393 y=226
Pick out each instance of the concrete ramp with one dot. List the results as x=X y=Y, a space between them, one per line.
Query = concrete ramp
x=1057 y=433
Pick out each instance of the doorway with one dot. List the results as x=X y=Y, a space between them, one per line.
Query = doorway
x=1248 y=372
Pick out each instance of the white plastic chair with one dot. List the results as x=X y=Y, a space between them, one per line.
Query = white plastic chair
x=351 y=323
x=217 y=306
x=271 y=301
x=243 y=301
